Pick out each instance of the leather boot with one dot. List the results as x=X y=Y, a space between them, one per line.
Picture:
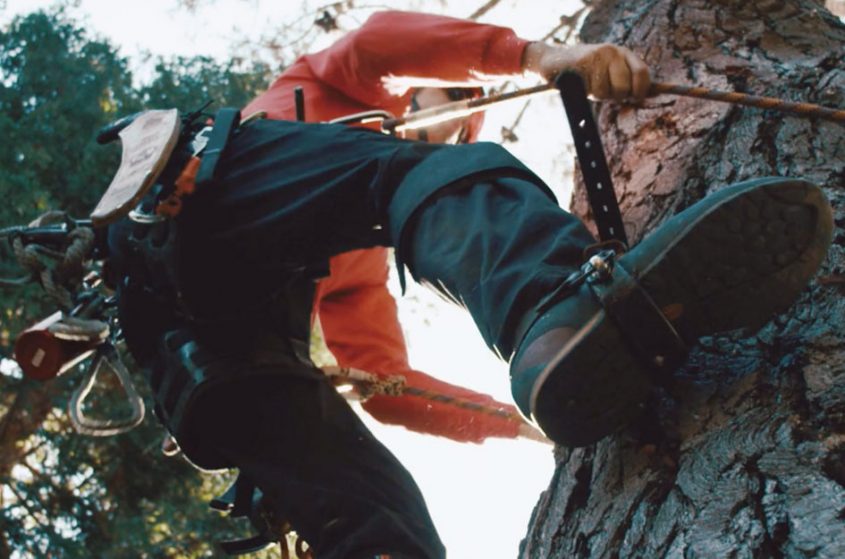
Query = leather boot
x=592 y=349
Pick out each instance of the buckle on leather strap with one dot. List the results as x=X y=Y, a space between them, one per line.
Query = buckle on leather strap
x=650 y=335
x=599 y=268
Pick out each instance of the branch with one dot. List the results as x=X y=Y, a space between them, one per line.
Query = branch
x=569 y=22
x=489 y=5
x=11 y=412
x=26 y=415
x=5 y=550
x=508 y=134
x=24 y=504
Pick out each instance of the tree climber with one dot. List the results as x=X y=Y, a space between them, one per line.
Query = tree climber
x=217 y=302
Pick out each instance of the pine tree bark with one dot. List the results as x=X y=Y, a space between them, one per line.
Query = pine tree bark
x=743 y=455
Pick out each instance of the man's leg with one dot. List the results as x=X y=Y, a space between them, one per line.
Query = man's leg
x=587 y=348
x=497 y=246
x=283 y=425
x=472 y=221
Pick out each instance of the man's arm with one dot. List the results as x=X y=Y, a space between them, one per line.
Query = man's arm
x=413 y=49
x=361 y=328
x=609 y=71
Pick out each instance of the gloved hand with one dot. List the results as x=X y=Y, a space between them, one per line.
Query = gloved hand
x=609 y=71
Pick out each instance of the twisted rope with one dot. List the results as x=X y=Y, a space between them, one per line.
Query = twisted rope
x=773 y=103
x=71 y=265
x=368 y=385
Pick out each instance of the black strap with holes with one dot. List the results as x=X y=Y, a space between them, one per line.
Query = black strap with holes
x=588 y=148
x=651 y=336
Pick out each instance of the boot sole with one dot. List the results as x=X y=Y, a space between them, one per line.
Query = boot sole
x=768 y=238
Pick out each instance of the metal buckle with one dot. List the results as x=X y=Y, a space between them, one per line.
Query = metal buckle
x=199 y=141
x=138 y=215
x=599 y=268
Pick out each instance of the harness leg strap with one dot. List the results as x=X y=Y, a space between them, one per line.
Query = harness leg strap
x=225 y=123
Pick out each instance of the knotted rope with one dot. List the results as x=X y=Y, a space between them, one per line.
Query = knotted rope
x=70 y=266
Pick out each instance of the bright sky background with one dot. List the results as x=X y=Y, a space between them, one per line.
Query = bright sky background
x=481 y=496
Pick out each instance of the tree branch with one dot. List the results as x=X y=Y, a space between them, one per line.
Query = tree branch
x=489 y=5
x=508 y=134
x=570 y=23
x=27 y=413
x=25 y=504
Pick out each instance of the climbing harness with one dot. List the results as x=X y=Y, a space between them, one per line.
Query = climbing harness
x=244 y=500
x=58 y=252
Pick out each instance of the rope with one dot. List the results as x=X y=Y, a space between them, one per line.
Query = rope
x=70 y=268
x=773 y=103
x=460 y=109
x=367 y=384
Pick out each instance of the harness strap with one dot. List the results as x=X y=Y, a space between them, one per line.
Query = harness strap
x=591 y=158
x=225 y=123
x=650 y=334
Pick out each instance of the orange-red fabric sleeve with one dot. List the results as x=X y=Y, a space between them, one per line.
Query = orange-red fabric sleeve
x=359 y=320
x=417 y=48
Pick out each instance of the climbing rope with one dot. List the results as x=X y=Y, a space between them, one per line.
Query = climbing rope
x=57 y=271
x=466 y=107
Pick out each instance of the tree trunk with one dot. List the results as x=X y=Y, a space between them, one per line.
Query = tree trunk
x=744 y=454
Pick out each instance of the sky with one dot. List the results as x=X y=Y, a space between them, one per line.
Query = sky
x=480 y=496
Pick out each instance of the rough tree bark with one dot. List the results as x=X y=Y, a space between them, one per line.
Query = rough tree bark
x=748 y=459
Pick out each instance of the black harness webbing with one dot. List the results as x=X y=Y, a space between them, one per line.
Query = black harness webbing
x=225 y=122
x=585 y=134
x=652 y=337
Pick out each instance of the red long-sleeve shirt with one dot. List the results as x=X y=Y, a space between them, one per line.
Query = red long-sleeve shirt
x=373 y=68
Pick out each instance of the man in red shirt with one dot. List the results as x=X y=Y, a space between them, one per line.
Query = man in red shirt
x=231 y=372
x=379 y=66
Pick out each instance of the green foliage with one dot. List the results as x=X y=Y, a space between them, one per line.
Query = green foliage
x=62 y=494
x=187 y=83
x=57 y=88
